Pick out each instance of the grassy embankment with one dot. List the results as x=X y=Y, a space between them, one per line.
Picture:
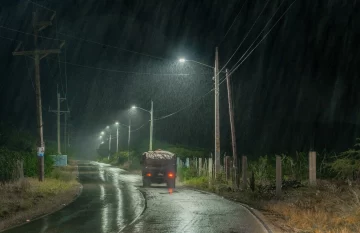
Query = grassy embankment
x=332 y=207
x=26 y=199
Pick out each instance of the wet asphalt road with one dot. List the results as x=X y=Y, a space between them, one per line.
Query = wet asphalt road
x=111 y=201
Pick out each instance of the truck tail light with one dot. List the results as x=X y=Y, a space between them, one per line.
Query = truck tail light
x=171 y=175
x=148 y=174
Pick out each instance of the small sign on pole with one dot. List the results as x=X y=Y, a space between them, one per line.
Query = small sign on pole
x=40 y=151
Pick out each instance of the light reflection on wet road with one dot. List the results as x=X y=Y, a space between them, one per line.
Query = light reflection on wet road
x=111 y=202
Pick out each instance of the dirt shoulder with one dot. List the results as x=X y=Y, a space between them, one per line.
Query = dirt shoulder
x=29 y=199
x=329 y=207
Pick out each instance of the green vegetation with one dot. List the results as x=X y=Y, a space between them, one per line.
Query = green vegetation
x=121 y=158
x=17 y=146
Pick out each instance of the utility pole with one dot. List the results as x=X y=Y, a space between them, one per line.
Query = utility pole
x=232 y=127
x=129 y=134
x=58 y=113
x=37 y=56
x=217 y=114
x=117 y=139
x=66 y=132
x=151 y=125
x=109 y=146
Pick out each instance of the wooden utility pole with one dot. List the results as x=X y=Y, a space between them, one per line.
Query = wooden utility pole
x=278 y=175
x=232 y=127
x=217 y=114
x=58 y=113
x=37 y=56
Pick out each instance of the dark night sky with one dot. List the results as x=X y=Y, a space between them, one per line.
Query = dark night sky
x=298 y=87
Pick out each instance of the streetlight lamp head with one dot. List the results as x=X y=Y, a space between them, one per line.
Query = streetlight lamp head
x=133 y=107
x=100 y=136
x=107 y=127
x=102 y=132
x=182 y=60
x=116 y=123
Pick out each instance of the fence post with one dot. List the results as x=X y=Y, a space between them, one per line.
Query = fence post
x=312 y=168
x=278 y=175
x=227 y=167
x=210 y=168
x=244 y=172
x=187 y=163
x=178 y=162
x=200 y=166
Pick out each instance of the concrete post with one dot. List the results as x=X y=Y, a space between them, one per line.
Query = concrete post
x=187 y=163
x=227 y=167
x=278 y=175
x=244 y=172
x=210 y=168
x=178 y=162
x=200 y=166
x=312 y=168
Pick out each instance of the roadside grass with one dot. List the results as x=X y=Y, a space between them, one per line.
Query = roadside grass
x=29 y=198
x=330 y=207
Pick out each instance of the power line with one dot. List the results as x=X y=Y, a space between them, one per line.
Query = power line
x=233 y=23
x=171 y=114
x=247 y=34
x=111 y=46
x=27 y=33
x=41 y=6
x=122 y=71
x=235 y=68
x=259 y=34
x=7 y=38
x=140 y=127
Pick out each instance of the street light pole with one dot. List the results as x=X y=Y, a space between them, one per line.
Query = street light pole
x=129 y=126
x=151 y=125
x=217 y=114
x=117 y=137
x=109 y=146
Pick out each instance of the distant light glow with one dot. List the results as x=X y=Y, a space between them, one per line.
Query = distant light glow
x=102 y=132
x=102 y=142
x=116 y=123
x=182 y=60
x=133 y=107
x=107 y=127
x=100 y=136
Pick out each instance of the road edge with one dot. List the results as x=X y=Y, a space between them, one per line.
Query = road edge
x=47 y=214
x=256 y=213
x=143 y=194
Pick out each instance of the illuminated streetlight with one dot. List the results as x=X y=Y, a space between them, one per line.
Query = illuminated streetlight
x=151 y=122
x=102 y=132
x=117 y=136
x=182 y=60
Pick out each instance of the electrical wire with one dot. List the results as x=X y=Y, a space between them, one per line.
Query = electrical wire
x=41 y=6
x=122 y=71
x=140 y=127
x=7 y=38
x=185 y=107
x=235 y=68
x=51 y=38
x=111 y=46
x=259 y=34
x=27 y=33
x=232 y=23
x=247 y=34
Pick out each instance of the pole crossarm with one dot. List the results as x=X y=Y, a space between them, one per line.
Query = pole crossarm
x=37 y=52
